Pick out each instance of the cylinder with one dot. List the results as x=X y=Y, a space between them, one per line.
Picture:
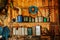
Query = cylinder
x=36 y=19
x=40 y=19
x=14 y=31
x=45 y=19
x=22 y=30
x=34 y=30
x=33 y=19
x=30 y=19
x=19 y=18
x=25 y=18
x=29 y=30
x=48 y=19
x=38 y=31
x=26 y=31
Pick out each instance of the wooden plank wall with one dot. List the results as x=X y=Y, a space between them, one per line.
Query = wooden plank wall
x=42 y=6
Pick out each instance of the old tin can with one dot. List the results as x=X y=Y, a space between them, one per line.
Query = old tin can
x=40 y=19
x=45 y=19
x=36 y=19
x=25 y=18
x=19 y=18
x=33 y=19
x=30 y=19
x=48 y=19
x=38 y=30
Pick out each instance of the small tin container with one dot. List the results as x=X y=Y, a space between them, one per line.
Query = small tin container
x=29 y=30
x=14 y=31
x=33 y=19
x=22 y=30
x=30 y=19
x=48 y=19
x=19 y=18
x=38 y=30
x=25 y=18
x=26 y=31
x=36 y=19
x=40 y=19
x=45 y=19
x=19 y=30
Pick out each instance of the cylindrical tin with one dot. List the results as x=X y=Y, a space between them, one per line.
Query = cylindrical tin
x=33 y=19
x=14 y=31
x=26 y=31
x=29 y=31
x=38 y=31
x=19 y=18
x=40 y=19
x=48 y=19
x=34 y=30
x=25 y=19
x=45 y=19
x=30 y=19
x=22 y=31
x=36 y=19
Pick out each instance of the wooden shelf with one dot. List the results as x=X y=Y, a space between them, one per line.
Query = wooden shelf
x=43 y=24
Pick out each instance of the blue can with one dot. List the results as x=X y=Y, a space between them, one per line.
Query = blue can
x=19 y=18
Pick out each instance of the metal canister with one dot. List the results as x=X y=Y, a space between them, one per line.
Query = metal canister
x=26 y=31
x=25 y=18
x=33 y=19
x=48 y=19
x=14 y=31
x=22 y=30
x=19 y=18
x=30 y=19
x=34 y=30
x=38 y=30
x=45 y=19
x=29 y=30
x=36 y=19
x=40 y=19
